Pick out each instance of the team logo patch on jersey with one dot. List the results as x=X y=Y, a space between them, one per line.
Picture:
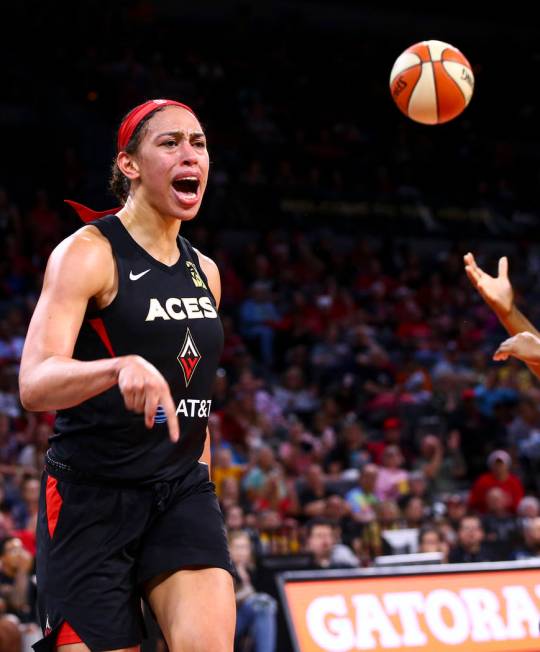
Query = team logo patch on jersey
x=189 y=357
x=195 y=276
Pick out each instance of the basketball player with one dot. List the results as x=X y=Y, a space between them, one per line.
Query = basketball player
x=497 y=292
x=124 y=344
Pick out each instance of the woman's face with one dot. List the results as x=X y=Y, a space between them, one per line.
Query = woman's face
x=172 y=163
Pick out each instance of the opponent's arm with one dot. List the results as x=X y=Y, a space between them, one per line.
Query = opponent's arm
x=211 y=271
x=80 y=268
x=523 y=346
x=497 y=292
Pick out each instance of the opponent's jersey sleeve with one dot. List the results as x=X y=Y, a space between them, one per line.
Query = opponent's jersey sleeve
x=167 y=315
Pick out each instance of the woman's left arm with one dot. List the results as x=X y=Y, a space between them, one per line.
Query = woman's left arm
x=211 y=271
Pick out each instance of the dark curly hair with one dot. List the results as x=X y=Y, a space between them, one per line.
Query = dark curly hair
x=119 y=184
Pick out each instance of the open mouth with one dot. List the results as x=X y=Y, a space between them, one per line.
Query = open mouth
x=187 y=186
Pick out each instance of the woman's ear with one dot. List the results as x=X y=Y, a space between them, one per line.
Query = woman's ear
x=127 y=165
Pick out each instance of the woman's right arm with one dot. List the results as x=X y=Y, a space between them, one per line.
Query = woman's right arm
x=497 y=292
x=80 y=268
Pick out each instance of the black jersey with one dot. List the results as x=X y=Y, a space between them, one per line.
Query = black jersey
x=167 y=315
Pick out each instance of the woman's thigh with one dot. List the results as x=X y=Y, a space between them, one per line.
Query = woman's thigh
x=195 y=609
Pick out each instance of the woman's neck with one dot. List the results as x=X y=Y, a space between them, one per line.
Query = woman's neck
x=154 y=232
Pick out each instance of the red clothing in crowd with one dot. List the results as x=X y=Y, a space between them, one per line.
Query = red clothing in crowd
x=512 y=486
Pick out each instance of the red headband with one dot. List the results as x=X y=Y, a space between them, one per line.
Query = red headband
x=134 y=117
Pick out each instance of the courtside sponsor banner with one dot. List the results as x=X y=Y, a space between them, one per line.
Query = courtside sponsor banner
x=495 y=609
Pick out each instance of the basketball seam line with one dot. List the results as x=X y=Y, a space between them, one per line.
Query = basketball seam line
x=455 y=84
x=436 y=90
x=415 y=85
x=466 y=63
x=405 y=70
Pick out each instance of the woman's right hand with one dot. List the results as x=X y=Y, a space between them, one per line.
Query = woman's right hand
x=144 y=388
x=523 y=346
x=496 y=291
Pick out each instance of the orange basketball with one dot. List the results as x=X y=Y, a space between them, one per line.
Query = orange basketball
x=431 y=82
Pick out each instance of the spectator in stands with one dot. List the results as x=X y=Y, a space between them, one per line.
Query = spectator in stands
x=389 y=515
x=327 y=552
x=32 y=455
x=471 y=546
x=338 y=511
x=234 y=518
x=529 y=507
x=418 y=485
x=264 y=400
x=277 y=493
x=330 y=355
x=25 y=512
x=312 y=492
x=500 y=526
x=300 y=449
x=258 y=320
x=351 y=452
x=392 y=436
x=531 y=540
x=16 y=586
x=294 y=395
x=430 y=539
x=230 y=493
x=442 y=464
x=476 y=432
x=499 y=463
x=258 y=472
x=255 y=610
x=362 y=499
x=525 y=424
x=10 y=632
x=415 y=512
x=456 y=509
x=243 y=427
x=276 y=535
x=224 y=467
x=524 y=440
x=392 y=479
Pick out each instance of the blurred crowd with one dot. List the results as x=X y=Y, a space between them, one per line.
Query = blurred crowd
x=356 y=411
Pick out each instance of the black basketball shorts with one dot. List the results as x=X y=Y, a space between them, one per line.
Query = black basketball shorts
x=97 y=544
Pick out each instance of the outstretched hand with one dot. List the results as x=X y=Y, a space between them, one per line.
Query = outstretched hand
x=496 y=291
x=144 y=389
x=524 y=346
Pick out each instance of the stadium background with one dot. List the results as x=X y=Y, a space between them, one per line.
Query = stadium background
x=339 y=228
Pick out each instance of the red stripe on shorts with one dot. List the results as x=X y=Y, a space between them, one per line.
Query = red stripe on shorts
x=99 y=327
x=53 y=503
x=67 y=635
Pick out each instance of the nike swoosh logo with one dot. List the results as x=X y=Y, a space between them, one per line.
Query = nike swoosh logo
x=136 y=277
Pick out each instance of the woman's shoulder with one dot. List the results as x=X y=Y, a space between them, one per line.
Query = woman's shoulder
x=84 y=256
x=211 y=271
x=208 y=264
x=87 y=242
